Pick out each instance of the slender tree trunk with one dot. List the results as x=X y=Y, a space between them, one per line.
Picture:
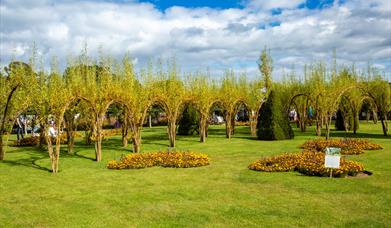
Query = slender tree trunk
x=383 y=119
x=374 y=116
x=172 y=132
x=203 y=127
x=228 y=124
x=58 y=147
x=98 y=139
x=318 y=126
x=253 y=122
x=136 y=139
x=328 y=123
x=125 y=131
x=53 y=154
x=355 y=121
x=233 y=124
x=368 y=116
x=50 y=151
x=70 y=130
x=150 y=121
x=345 y=117
x=301 y=120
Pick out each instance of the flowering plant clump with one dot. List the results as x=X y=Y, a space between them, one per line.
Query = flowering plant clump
x=348 y=146
x=242 y=123
x=280 y=163
x=307 y=163
x=163 y=159
x=34 y=140
x=27 y=141
x=312 y=164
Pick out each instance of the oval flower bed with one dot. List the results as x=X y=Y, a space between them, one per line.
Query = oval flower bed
x=281 y=163
x=307 y=163
x=163 y=159
x=348 y=146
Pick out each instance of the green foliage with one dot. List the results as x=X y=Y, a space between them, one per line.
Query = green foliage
x=265 y=66
x=273 y=123
x=339 y=121
x=189 y=123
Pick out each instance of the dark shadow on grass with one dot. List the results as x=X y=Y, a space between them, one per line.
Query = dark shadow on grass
x=31 y=161
x=344 y=134
x=76 y=154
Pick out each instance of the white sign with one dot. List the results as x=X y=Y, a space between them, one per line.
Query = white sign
x=332 y=157
x=331 y=161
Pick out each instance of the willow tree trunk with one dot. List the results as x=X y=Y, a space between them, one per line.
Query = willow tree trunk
x=5 y=117
x=233 y=124
x=136 y=139
x=355 y=121
x=328 y=124
x=171 y=132
x=374 y=114
x=42 y=135
x=228 y=124
x=253 y=123
x=70 y=129
x=98 y=137
x=203 y=128
x=318 y=126
x=383 y=119
x=54 y=154
x=125 y=132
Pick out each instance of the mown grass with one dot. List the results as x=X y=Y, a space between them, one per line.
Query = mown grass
x=224 y=194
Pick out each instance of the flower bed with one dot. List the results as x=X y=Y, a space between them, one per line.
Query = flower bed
x=348 y=146
x=312 y=164
x=163 y=159
x=280 y=163
x=307 y=163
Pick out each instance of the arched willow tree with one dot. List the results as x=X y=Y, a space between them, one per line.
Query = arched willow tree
x=90 y=86
x=326 y=91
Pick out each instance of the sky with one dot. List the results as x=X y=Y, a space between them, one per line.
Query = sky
x=202 y=34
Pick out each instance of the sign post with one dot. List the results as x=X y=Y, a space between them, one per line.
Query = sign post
x=332 y=158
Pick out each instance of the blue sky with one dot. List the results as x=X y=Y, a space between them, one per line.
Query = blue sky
x=222 y=4
x=225 y=4
x=202 y=34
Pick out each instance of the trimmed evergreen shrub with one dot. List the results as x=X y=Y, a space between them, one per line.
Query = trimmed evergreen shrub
x=339 y=121
x=273 y=123
x=189 y=123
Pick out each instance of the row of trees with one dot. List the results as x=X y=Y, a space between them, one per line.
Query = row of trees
x=90 y=86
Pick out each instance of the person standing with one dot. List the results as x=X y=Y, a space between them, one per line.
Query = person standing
x=20 y=130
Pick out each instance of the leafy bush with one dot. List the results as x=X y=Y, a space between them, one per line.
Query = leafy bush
x=348 y=146
x=272 y=123
x=189 y=123
x=339 y=121
x=26 y=141
x=307 y=163
x=163 y=159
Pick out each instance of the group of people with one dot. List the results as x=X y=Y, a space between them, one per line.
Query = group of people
x=25 y=124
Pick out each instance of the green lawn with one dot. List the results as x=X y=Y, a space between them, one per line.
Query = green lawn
x=224 y=194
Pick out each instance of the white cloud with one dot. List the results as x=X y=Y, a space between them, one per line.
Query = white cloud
x=272 y=4
x=200 y=37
